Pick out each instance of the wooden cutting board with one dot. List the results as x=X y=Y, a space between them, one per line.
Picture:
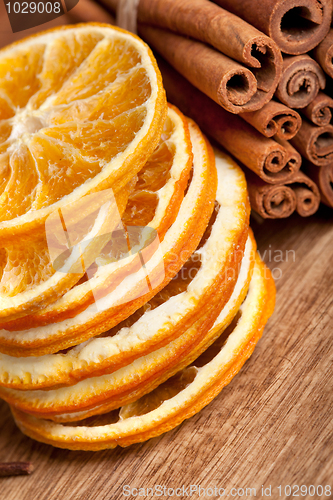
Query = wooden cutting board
x=271 y=427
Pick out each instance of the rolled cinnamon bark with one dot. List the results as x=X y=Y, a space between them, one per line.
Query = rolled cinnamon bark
x=279 y=201
x=314 y=143
x=208 y=23
x=297 y=26
x=270 y=201
x=275 y=119
x=307 y=194
x=224 y=80
x=301 y=80
x=319 y=111
x=323 y=53
x=273 y=162
x=323 y=177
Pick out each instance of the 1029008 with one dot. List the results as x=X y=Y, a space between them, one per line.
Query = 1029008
x=33 y=7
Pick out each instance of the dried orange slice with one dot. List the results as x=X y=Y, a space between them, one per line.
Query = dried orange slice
x=178 y=244
x=31 y=278
x=154 y=202
x=82 y=110
x=146 y=373
x=86 y=105
x=196 y=296
x=180 y=397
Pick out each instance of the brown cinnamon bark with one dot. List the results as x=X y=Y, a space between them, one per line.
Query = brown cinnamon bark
x=301 y=80
x=271 y=202
x=323 y=177
x=319 y=111
x=16 y=469
x=90 y=11
x=224 y=80
x=208 y=23
x=275 y=119
x=279 y=201
x=315 y=143
x=297 y=26
x=272 y=161
x=323 y=53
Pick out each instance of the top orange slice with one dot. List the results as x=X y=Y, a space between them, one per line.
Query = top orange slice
x=81 y=110
x=120 y=301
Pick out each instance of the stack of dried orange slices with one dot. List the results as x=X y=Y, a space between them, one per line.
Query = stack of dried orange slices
x=130 y=288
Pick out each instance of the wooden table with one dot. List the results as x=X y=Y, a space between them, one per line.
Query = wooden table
x=271 y=426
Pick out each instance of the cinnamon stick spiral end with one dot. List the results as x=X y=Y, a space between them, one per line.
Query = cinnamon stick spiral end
x=225 y=81
x=307 y=194
x=301 y=80
x=297 y=26
x=307 y=202
x=315 y=143
x=319 y=111
x=275 y=119
x=270 y=201
x=323 y=53
x=281 y=164
x=236 y=90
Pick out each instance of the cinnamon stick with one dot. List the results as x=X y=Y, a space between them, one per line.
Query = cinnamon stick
x=270 y=201
x=224 y=80
x=16 y=469
x=323 y=53
x=297 y=26
x=307 y=194
x=270 y=160
x=314 y=143
x=301 y=80
x=230 y=35
x=323 y=177
x=329 y=87
x=279 y=201
x=90 y=11
x=319 y=111
x=275 y=119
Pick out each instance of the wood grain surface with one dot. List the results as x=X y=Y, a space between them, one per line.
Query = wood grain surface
x=271 y=426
